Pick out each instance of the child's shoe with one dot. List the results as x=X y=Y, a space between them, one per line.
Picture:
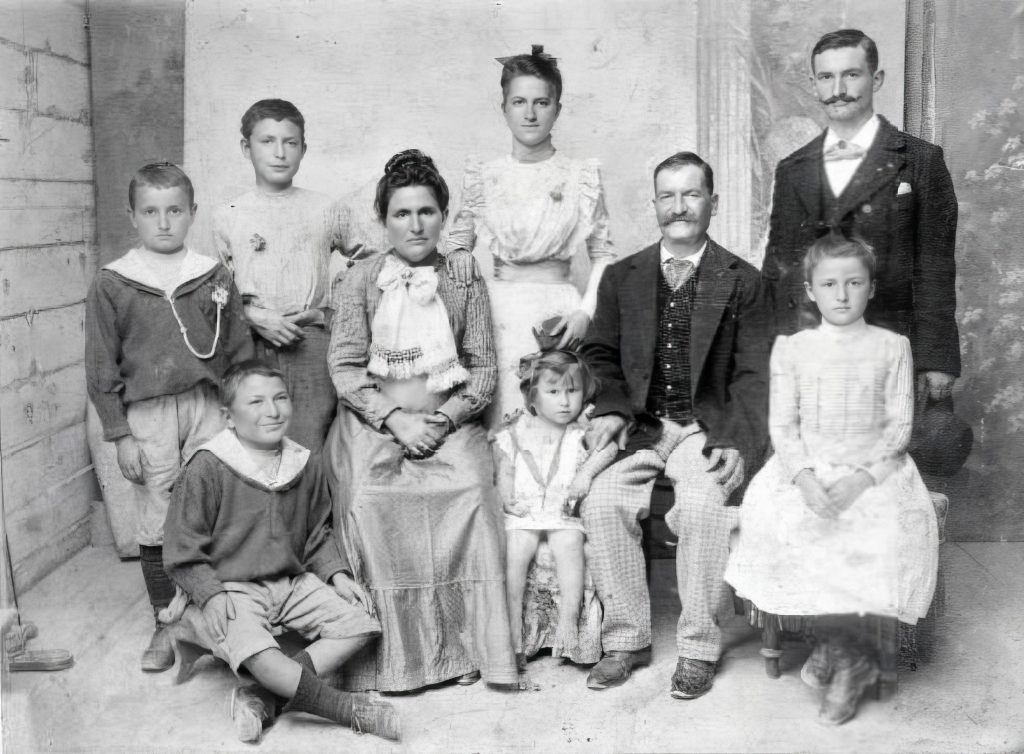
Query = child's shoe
x=249 y=711
x=159 y=655
x=817 y=671
x=373 y=716
x=852 y=674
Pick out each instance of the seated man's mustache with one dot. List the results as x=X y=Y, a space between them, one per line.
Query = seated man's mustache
x=839 y=98
x=674 y=218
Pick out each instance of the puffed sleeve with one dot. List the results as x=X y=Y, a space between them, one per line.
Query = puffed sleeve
x=899 y=412
x=594 y=213
x=349 y=350
x=784 y=411
x=462 y=234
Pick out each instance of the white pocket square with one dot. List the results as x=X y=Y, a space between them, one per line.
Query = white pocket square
x=904 y=188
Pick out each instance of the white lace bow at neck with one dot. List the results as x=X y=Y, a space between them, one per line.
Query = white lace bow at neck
x=411 y=334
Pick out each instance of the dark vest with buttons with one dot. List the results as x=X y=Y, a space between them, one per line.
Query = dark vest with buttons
x=830 y=207
x=669 y=396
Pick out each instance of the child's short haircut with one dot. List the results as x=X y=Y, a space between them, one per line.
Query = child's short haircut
x=565 y=365
x=834 y=246
x=274 y=109
x=237 y=373
x=161 y=175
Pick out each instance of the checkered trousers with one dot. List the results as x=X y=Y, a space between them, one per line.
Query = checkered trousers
x=619 y=499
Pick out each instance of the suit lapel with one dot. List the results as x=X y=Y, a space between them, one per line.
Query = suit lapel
x=639 y=293
x=806 y=177
x=714 y=288
x=883 y=162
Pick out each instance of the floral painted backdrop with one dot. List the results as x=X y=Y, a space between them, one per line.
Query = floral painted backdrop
x=981 y=119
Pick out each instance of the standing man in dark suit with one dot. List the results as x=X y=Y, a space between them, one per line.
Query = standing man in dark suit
x=680 y=343
x=863 y=177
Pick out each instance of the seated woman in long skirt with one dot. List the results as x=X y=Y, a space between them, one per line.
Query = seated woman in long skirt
x=413 y=362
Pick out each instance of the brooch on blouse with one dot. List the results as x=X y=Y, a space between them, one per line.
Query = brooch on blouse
x=556 y=193
x=258 y=242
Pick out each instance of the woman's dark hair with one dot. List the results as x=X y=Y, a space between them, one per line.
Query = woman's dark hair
x=562 y=364
x=409 y=168
x=538 y=64
x=834 y=246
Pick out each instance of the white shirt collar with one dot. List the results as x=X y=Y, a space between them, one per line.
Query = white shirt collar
x=863 y=139
x=226 y=446
x=694 y=258
x=133 y=267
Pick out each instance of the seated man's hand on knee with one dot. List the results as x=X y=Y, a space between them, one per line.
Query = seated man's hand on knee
x=726 y=464
x=603 y=430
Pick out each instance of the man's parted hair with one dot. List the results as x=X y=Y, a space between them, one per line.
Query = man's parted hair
x=161 y=175
x=837 y=40
x=680 y=159
x=237 y=373
x=274 y=109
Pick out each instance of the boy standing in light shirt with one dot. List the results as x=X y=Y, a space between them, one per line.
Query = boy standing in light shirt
x=278 y=239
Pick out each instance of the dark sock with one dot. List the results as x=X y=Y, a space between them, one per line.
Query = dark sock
x=158 y=584
x=316 y=697
x=305 y=661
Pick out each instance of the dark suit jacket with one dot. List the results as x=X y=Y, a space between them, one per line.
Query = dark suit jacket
x=912 y=234
x=730 y=336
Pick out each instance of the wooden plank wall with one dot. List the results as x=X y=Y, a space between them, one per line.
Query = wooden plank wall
x=47 y=253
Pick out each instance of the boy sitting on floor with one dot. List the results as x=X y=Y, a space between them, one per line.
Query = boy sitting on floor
x=248 y=538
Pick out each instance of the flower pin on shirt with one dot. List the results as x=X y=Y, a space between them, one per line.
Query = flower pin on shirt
x=258 y=242
x=220 y=295
x=556 y=193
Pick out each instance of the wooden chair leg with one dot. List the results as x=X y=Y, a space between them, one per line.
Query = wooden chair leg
x=771 y=647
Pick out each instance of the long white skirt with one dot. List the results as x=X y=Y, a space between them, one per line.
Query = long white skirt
x=878 y=557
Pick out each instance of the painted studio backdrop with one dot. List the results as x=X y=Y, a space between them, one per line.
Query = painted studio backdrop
x=643 y=79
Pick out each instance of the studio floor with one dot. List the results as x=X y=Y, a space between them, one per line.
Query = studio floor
x=969 y=698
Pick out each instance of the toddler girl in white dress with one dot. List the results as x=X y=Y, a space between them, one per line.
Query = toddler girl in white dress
x=543 y=472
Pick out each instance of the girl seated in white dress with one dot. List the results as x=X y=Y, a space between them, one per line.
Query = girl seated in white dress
x=838 y=524
x=542 y=475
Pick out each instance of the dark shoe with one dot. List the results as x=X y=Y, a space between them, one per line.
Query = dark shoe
x=852 y=675
x=370 y=715
x=692 y=678
x=817 y=671
x=250 y=712
x=616 y=667
x=159 y=655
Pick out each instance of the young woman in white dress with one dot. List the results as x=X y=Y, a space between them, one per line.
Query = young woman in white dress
x=535 y=212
